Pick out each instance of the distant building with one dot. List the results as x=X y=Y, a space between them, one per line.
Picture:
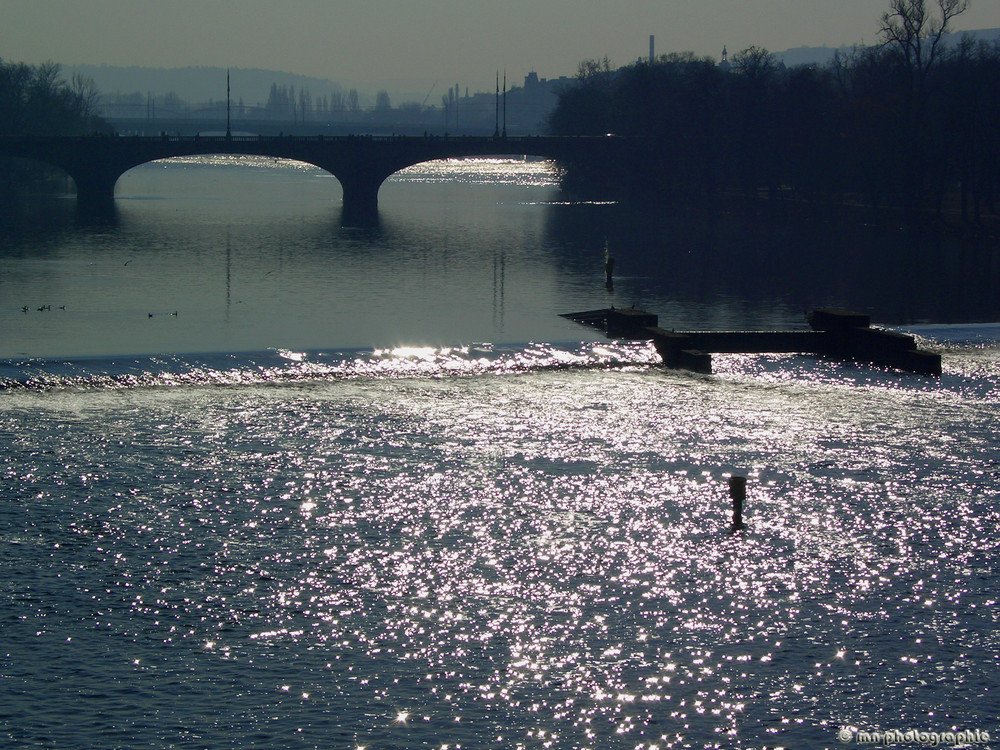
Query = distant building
x=527 y=107
x=724 y=65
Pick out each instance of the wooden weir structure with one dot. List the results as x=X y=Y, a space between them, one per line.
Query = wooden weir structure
x=839 y=334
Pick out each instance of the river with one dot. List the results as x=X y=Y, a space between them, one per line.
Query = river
x=269 y=481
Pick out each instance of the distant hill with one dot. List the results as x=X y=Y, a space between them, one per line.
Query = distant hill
x=823 y=55
x=809 y=55
x=252 y=85
x=203 y=84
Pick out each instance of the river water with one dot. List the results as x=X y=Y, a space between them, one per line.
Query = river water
x=269 y=481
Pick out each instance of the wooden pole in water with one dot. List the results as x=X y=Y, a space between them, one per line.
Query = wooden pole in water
x=738 y=493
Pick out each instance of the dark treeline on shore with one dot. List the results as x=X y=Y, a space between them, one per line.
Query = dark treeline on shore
x=35 y=100
x=907 y=124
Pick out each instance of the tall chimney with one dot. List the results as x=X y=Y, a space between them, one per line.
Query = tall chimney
x=651 y=55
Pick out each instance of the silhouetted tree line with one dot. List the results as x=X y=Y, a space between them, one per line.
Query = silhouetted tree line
x=35 y=100
x=906 y=124
x=282 y=103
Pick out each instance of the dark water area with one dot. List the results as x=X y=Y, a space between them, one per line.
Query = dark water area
x=793 y=258
x=252 y=254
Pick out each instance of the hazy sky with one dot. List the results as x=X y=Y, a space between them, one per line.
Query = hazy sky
x=406 y=46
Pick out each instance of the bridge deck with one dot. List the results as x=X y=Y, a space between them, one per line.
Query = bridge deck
x=361 y=163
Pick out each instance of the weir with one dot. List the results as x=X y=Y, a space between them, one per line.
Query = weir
x=839 y=334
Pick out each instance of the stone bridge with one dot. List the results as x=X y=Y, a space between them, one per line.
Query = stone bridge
x=360 y=162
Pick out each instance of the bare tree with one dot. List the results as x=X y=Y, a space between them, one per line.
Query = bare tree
x=305 y=103
x=755 y=63
x=913 y=33
x=87 y=94
x=756 y=136
x=594 y=69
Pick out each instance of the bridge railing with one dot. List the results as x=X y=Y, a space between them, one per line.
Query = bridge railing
x=353 y=138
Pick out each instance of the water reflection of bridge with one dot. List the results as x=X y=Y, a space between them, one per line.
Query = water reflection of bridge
x=361 y=163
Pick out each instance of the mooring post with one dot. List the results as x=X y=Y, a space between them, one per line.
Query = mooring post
x=738 y=492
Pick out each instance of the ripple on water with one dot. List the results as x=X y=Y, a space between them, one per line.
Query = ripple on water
x=520 y=556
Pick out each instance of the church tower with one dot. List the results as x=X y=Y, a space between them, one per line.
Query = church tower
x=724 y=64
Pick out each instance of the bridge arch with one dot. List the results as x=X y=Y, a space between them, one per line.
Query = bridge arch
x=36 y=171
x=250 y=167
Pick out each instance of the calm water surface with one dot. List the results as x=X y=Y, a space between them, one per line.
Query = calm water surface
x=366 y=489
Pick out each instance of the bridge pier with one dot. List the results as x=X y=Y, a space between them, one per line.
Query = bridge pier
x=95 y=190
x=360 y=209
x=360 y=198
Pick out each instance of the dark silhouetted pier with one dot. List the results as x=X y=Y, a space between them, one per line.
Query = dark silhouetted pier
x=838 y=334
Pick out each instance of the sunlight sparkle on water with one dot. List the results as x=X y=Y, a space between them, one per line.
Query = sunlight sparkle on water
x=565 y=527
x=428 y=545
x=504 y=171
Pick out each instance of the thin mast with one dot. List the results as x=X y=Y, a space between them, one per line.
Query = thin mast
x=229 y=132
x=505 y=103
x=496 y=116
